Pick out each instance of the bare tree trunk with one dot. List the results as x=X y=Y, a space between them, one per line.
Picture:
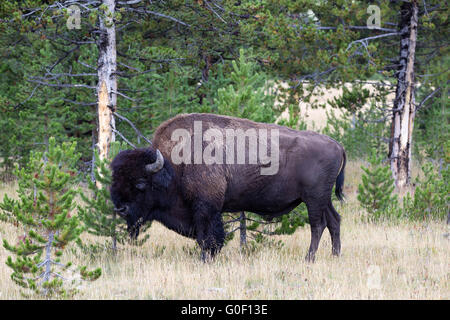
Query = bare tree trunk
x=404 y=103
x=243 y=229
x=107 y=80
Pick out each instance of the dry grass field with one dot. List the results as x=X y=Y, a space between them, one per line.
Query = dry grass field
x=402 y=260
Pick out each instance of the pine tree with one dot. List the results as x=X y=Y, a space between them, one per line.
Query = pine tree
x=375 y=191
x=98 y=213
x=246 y=96
x=45 y=213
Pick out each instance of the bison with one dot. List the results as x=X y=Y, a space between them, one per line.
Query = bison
x=171 y=183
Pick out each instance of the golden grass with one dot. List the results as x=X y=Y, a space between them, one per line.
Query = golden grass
x=412 y=260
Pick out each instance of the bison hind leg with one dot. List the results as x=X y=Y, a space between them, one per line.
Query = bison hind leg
x=317 y=222
x=334 y=226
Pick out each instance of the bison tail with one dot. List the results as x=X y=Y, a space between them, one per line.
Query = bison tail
x=340 y=180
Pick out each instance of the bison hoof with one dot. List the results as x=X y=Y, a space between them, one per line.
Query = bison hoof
x=310 y=258
x=206 y=256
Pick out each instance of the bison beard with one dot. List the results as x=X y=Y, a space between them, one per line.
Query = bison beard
x=190 y=198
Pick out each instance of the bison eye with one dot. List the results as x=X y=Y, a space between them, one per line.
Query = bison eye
x=141 y=185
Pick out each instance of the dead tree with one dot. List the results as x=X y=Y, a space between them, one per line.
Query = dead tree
x=107 y=80
x=404 y=103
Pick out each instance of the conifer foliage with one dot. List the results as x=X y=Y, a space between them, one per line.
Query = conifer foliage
x=431 y=198
x=44 y=212
x=248 y=95
x=375 y=191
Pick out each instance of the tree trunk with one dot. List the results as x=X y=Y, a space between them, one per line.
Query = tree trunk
x=107 y=80
x=48 y=258
x=404 y=103
x=243 y=229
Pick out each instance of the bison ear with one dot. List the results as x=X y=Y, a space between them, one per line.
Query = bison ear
x=162 y=178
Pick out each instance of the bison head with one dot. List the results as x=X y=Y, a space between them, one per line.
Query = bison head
x=140 y=179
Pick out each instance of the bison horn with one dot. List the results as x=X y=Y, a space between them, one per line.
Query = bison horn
x=123 y=212
x=157 y=165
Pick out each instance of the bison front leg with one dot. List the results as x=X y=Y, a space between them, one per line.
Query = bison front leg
x=209 y=230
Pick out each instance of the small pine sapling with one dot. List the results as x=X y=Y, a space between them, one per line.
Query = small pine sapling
x=44 y=212
x=375 y=192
